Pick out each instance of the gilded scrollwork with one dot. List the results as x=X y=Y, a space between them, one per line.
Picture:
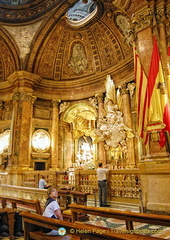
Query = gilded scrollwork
x=64 y=106
x=131 y=88
x=93 y=101
x=110 y=127
x=150 y=18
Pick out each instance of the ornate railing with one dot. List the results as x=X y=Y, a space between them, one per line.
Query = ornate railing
x=121 y=183
x=24 y=192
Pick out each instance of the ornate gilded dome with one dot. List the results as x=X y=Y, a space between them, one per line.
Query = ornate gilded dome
x=68 y=57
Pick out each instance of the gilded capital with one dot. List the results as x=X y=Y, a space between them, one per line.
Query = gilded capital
x=23 y=97
x=124 y=89
x=100 y=97
x=55 y=103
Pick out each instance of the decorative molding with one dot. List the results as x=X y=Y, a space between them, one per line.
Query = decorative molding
x=150 y=18
x=28 y=12
x=64 y=106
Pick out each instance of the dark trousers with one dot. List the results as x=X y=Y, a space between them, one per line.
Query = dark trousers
x=102 y=185
x=17 y=223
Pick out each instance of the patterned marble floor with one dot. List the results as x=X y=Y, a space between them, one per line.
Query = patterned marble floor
x=139 y=228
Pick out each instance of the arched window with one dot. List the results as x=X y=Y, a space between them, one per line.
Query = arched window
x=81 y=12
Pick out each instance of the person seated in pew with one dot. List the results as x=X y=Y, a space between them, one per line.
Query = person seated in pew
x=52 y=209
x=43 y=184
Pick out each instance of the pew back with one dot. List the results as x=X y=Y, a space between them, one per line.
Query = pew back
x=32 y=221
x=128 y=216
x=33 y=204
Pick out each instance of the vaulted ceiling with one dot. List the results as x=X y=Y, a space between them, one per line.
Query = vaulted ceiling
x=72 y=61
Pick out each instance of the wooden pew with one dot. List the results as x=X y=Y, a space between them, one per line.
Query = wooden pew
x=78 y=198
x=35 y=204
x=128 y=216
x=64 y=199
x=10 y=215
x=34 y=222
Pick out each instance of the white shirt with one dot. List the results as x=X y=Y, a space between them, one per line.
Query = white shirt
x=50 y=209
x=42 y=183
x=101 y=174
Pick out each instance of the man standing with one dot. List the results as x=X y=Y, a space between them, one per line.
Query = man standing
x=102 y=185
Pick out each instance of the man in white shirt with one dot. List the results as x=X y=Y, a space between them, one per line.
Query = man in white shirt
x=102 y=185
x=42 y=183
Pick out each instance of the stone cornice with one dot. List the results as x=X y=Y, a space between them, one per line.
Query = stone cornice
x=23 y=79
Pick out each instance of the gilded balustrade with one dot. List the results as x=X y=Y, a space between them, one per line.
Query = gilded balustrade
x=24 y=192
x=121 y=183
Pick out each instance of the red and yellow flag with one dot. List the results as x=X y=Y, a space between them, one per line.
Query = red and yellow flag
x=141 y=93
x=158 y=107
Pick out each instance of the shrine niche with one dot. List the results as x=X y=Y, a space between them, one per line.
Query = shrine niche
x=84 y=156
x=81 y=118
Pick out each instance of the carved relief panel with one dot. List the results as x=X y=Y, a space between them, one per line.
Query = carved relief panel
x=7 y=59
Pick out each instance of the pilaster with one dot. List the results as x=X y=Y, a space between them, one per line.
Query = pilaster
x=101 y=149
x=54 y=136
x=23 y=100
x=128 y=122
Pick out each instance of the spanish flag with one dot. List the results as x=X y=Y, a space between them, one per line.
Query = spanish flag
x=158 y=106
x=141 y=94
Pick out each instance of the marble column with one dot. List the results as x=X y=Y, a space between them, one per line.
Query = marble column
x=130 y=161
x=101 y=149
x=54 y=136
